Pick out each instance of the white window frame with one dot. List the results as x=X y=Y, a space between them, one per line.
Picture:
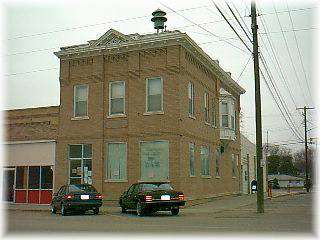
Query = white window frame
x=191 y=97
x=194 y=159
x=159 y=111
x=107 y=161
x=124 y=100
x=74 y=101
x=225 y=114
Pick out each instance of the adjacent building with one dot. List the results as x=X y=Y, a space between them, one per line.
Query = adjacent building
x=133 y=108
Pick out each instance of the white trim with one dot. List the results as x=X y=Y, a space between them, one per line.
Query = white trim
x=146 y=109
x=30 y=141
x=124 y=100
x=79 y=118
x=74 y=105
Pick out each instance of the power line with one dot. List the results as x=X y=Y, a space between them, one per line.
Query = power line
x=238 y=79
x=38 y=70
x=233 y=29
x=171 y=9
x=287 y=47
x=299 y=52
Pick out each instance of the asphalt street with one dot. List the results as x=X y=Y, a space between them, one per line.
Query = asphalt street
x=286 y=214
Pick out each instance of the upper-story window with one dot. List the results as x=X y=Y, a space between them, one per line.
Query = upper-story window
x=154 y=95
x=224 y=114
x=80 y=99
x=206 y=107
x=232 y=115
x=213 y=113
x=191 y=99
x=117 y=98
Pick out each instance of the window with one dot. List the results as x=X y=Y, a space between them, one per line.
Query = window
x=191 y=99
x=206 y=107
x=117 y=98
x=213 y=113
x=234 y=165
x=232 y=117
x=21 y=177
x=218 y=156
x=80 y=163
x=116 y=161
x=154 y=160
x=34 y=178
x=80 y=100
x=224 y=114
x=46 y=177
x=205 y=161
x=154 y=95
x=191 y=158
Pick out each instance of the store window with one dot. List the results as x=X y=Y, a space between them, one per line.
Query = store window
x=116 y=161
x=81 y=100
x=154 y=160
x=192 y=159
x=46 y=177
x=34 y=178
x=80 y=163
x=154 y=95
x=21 y=177
x=205 y=161
x=117 y=98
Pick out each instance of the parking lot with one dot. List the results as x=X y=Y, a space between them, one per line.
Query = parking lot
x=286 y=214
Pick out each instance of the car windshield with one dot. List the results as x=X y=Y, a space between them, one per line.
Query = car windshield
x=82 y=188
x=156 y=186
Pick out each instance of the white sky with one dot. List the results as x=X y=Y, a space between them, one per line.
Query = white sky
x=34 y=30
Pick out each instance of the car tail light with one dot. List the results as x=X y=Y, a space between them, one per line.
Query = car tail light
x=181 y=197
x=98 y=196
x=69 y=196
x=148 y=198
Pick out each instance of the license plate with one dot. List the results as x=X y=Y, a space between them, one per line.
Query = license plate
x=84 y=197
x=165 y=197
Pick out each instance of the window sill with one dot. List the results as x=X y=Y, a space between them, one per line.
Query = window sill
x=192 y=176
x=218 y=177
x=234 y=177
x=117 y=116
x=208 y=124
x=205 y=176
x=192 y=117
x=115 y=181
x=79 y=118
x=153 y=113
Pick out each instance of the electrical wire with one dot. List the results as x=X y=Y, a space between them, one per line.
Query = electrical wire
x=245 y=67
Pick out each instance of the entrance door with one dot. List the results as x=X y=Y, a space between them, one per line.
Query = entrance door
x=8 y=185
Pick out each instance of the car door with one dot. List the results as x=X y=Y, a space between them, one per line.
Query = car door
x=130 y=196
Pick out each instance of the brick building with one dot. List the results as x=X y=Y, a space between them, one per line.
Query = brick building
x=143 y=108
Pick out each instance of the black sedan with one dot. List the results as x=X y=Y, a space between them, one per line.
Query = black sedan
x=76 y=197
x=149 y=197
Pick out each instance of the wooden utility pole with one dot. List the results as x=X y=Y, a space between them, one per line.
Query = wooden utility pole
x=254 y=27
x=306 y=146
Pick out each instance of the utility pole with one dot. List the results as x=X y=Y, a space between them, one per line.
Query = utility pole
x=254 y=27
x=306 y=145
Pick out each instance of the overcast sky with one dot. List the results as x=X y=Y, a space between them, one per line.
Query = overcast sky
x=34 y=30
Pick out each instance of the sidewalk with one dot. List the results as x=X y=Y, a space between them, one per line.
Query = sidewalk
x=215 y=204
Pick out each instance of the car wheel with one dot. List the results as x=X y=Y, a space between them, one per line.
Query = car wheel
x=123 y=210
x=63 y=210
x=96 y=211
x=53 y=210
x=139 y=209
x=175 y=211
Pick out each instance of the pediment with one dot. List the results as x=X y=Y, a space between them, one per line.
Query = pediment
x=111 y=37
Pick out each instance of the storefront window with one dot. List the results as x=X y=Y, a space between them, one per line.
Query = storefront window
x=46 y=177
x=34 y=178
x=117 y=161
x=154 y=160
x=21 y=177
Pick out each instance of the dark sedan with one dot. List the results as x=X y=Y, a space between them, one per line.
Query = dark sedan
x=76 y=197
x=148 y=197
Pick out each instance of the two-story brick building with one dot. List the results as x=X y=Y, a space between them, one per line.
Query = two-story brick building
x=144 y=108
